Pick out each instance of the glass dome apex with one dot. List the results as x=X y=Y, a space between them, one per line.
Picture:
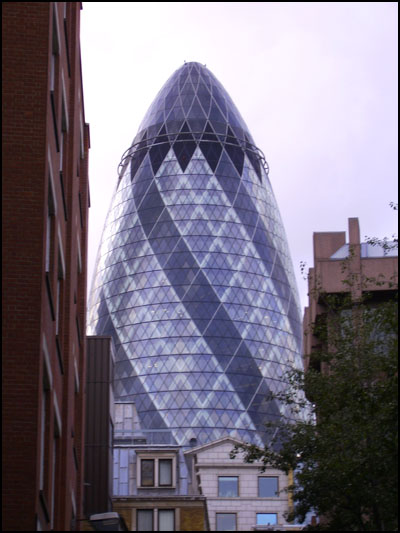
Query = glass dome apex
x=193 y=94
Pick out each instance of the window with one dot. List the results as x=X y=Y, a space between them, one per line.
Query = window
x=165 y=472
x=265 y=519
x=268 y=487
x=166 y=520
x=228 y=487
x=226 y=522
x=147 y=472
x=144 y=520
x=156 y=471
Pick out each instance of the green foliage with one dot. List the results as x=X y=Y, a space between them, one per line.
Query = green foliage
x=344 y=452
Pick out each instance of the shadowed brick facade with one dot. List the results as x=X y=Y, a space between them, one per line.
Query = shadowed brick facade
x=45 y=212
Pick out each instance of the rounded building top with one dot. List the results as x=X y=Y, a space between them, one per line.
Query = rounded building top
x=193 y=94
x=193 y=107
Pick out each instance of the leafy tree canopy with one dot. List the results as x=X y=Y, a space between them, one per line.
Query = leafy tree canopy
x=343 y=450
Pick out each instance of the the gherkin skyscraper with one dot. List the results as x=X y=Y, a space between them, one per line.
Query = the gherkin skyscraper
x=194 y=279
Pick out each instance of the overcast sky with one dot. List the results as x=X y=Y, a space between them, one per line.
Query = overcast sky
x=316 y=83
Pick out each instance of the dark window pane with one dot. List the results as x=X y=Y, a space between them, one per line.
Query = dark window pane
x=144 y=519
x=267 y=487
x=226 y=522
x=165 y=472
x=166 y=520
x=228 y=487
x=147 y=472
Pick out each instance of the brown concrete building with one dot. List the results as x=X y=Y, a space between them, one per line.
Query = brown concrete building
x=367 y=268
x=45 y=214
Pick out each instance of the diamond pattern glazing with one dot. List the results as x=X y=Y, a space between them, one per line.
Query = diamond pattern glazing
x=194 y=279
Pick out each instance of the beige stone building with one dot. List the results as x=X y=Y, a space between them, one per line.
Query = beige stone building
x=239 y=497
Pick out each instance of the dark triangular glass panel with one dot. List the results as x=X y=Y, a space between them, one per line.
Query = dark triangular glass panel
x=184 y=147
x=159 y=150
x=138 y=156
x=210 y=147
x=234 y=151
x=253 y=158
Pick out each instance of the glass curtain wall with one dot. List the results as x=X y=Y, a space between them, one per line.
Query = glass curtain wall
x=194 y=279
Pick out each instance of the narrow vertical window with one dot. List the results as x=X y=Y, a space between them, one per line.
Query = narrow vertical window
x=165 y=472
x=166 y=520
x=144 y=521
x=147 y=472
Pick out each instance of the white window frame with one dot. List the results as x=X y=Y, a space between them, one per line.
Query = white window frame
x=156 y=459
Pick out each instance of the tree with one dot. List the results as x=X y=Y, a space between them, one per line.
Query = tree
x=343 y=450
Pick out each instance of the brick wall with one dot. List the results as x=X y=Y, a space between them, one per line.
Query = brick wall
x=40 y=352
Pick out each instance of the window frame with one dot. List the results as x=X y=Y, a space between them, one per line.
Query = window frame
x=237 y=486
x=276 y=519
x=156 y=517
x=156 y=458
x=225 y=513
x=277 y=486
x=152 y=519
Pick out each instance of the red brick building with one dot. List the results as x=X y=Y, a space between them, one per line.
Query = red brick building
x=45 y=216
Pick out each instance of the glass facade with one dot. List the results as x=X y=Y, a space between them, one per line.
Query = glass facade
x=194 y=279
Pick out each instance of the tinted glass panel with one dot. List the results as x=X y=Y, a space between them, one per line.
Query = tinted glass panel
x=147 y=472
x=165 y=472
x=166 y=520
x=226 y=522
x=264 y=519
x=144 y=520
x=228 y=487
x=267 y=487
x=193 y=267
